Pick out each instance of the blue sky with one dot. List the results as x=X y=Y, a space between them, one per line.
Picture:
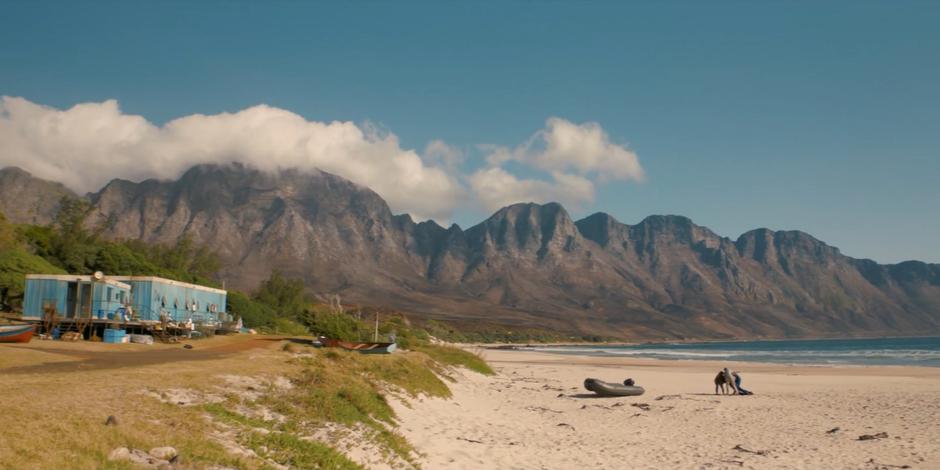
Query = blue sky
x=822 y=116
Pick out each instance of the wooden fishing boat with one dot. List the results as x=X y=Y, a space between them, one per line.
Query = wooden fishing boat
x=365 y=348
x=16 y=333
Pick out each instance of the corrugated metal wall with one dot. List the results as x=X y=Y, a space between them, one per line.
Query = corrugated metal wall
x=152 y=297
x=140 y=300
x=105 y=298
x=40 y=292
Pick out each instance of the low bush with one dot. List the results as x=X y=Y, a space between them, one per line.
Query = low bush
x=294 y=452
x=333 y=325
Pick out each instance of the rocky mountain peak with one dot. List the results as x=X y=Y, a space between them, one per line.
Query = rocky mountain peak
x=527 y=227
x=601 y=228
x=26 y=199
x=758 y=244
x=661 y=232
x=527 y=265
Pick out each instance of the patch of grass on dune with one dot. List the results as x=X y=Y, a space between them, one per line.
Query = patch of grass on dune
x=347 y=388
x=220 y=412
x=290 y=450
x=451 y=356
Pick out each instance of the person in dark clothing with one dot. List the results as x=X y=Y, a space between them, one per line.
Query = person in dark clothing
x=737 y=384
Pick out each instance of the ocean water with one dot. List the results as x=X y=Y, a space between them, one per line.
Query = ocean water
x=872 y=351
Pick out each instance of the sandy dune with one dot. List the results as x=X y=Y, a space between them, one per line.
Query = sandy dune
x=534 y=414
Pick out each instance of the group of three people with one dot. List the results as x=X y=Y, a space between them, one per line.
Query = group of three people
x=732 y=380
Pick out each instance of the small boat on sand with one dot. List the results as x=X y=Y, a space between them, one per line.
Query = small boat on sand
x=365 y=348
x=16 y=333
x=607 y=389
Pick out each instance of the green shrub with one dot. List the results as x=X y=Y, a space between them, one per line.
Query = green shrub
x=253 y=314
x=284 y=295
x=333 y=325
x=286 y=326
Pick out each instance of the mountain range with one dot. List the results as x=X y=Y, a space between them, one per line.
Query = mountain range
x=526 y=266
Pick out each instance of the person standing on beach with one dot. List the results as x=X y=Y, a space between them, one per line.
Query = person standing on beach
x=730 y=381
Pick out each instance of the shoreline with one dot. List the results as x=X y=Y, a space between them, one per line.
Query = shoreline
x=639 y=342
x=541 y=357
x=745 y=356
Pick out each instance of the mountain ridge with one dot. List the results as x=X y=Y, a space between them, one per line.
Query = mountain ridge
x=525 y=265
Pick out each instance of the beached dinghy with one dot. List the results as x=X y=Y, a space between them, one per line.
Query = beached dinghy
x=16 y=333
x=608 y=389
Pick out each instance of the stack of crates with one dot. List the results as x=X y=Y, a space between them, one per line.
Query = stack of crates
x=115 y=336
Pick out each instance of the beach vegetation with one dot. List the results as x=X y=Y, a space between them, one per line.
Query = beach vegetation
x=222 y=413
x=278 y=306
x=336 y=325
x=285 y=296
x=455 y=357
x=348 y=388
x=294 y=452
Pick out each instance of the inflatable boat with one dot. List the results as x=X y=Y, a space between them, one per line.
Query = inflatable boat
x=608 y=389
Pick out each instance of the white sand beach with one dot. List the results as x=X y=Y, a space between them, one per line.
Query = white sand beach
x=535 y=414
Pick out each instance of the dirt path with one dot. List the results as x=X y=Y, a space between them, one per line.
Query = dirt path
x=116 y=359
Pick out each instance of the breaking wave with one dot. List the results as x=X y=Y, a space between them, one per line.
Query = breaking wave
x=879 y=351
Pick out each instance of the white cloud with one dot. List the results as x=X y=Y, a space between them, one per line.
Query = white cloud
x=565 y=146
x=87 y=145
x=438 y=152
x=575 y=155
x=495 y=188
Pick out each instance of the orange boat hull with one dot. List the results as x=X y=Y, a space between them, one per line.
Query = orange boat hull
x=16 y=333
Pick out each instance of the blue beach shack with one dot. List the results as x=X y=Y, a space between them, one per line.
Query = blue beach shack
x=179 y=301
x=143 y=298
x=74 y=296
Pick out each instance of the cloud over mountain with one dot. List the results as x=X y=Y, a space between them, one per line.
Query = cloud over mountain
x=495 y=187
x=575 y=156
x=565 y=146
x=90 y=143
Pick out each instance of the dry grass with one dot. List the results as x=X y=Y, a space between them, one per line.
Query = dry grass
x=60 y=417
x=13 y=355
x=60 y=395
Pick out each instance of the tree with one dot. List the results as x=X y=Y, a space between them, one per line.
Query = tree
x=70 y=219
x=285 y=296
x=72 y=245
x=253 y=314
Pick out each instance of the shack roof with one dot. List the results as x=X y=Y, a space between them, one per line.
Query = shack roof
x=76 y=278
x=170 y=282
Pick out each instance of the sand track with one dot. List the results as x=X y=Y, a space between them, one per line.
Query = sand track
x=86 y=356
